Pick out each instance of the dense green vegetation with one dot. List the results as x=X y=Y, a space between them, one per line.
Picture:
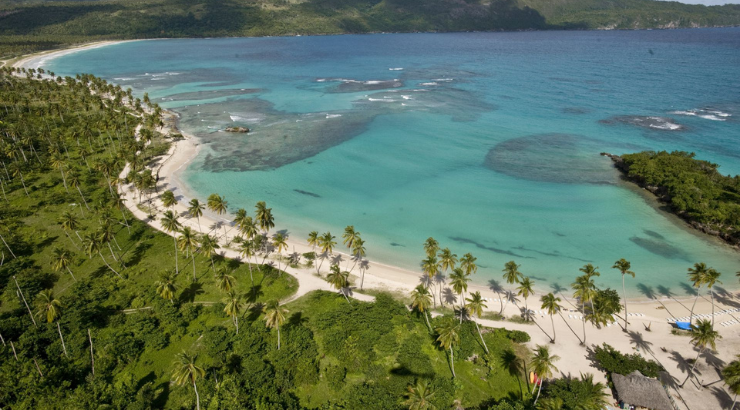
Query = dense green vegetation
x=99 y=310
x=693 y=189
x=27 y=26
x=612 y=361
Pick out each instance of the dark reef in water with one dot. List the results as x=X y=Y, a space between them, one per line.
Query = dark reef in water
x=560 y=158
x=660 y=248
x=300 y=191
x=488 y=248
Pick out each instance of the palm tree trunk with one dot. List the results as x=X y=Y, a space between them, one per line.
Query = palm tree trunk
x=2 y=186
x=734 y=401
x=109 y=267
x=692 y=367
x=362 y=280
x=249 y=263
x=501 y=310
x=24 y=301
x=584 y=329
x=278 y=328
x=62 y=339
x=711 y=292
x=92 y=356
x=83 y=198
x=345 y=296
x=481 y=336
x=691 y=315
x=71 y=274
x=110 y=248
x=526 y=310
x=213 y=265
x=195 y=279
x=64 y=180
x=426 y=316
x=6 y=245
x=538 y=393
x=624 y=292
x=177 y=265
x=24 y=185
x=236 y=323
x=452 y=362
x=197 y=396
x=71 y=240
x=553 y=328
x=462 y=305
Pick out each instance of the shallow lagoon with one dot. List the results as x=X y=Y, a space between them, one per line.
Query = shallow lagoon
x=487 y=141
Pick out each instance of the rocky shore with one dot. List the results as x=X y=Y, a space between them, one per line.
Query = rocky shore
x=663 y=196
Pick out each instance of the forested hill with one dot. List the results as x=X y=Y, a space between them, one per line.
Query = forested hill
x=32 y=25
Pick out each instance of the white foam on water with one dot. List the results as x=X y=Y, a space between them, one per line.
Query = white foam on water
x=711 y=117
x=444 y=79
x=382 y=99
x=666 y=126
x=406 y=97
x=123 y=79
x=396 y=69
x=432 y=83
x=333 y=116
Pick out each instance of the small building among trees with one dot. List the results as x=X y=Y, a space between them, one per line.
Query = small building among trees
x=641 y=392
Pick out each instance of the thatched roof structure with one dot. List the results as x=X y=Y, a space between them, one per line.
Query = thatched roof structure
x=641 y=391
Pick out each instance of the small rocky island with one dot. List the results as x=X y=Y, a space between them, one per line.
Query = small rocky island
x=237 y=129
x=693 y=189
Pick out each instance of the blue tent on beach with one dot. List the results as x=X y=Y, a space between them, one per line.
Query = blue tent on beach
x=683 y=325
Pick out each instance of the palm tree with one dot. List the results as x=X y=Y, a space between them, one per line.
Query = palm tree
x=168 y=199
x=447 y=261
x=225 y=282
x=61 y=259
x=187 y=242
x=92 y=245
x=57 y=161
x=419 y=396
x=448 y=338
x=240 y=218
x=326 y=243
x=196 y=210
x=525 y=290
x=731 y=376
x=421 y=300
x=274 y=316
x=711 y=279
x=264 y=216
x=248 y=227
x=542 y=365
x=338 y=279
x=218 y=204
x=313 y=239
x=551 y=304
x=234 y=307
x=623 y=266
x=358 y=252
x=279 y=243
x=703 y=335
x=74 y=180
x=166 y=286
x=589 y=270
x=511 y=272
x=208 y=246
x=467 y=263
x=350 y=236
x=69 y=223
x=430 y=266
x=50 y=308
x=431 y=246
x=186 y=371
x=459 y=282
x=697 y=276
x=585 y=291
x=171 y=224
x=247 y=250
x=476 y=306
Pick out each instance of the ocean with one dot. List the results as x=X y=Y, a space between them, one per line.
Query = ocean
x=488 y=142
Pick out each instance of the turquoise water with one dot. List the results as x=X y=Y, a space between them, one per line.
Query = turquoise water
x=488 y=142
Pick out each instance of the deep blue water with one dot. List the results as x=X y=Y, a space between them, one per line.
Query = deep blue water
x=488 y=142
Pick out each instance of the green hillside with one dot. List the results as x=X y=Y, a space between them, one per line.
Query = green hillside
x=28 y=26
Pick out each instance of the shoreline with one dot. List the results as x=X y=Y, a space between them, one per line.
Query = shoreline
x=380 y=275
